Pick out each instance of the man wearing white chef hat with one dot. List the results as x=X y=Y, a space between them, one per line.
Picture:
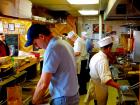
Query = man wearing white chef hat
x=100 y=72
x=80 y=54
x=71 y=34
x=105 y=41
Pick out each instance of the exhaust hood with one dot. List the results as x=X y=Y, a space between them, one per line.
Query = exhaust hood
x=123 y=10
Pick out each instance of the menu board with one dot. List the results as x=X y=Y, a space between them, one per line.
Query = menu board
x=12 y=42
x=12 y=39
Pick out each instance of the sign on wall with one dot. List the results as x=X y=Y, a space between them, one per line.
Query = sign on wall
x=13 y=43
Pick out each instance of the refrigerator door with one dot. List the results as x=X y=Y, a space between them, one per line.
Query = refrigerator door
x=136 y=47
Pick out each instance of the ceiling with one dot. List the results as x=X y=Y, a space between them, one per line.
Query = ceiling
x=65 y=7
x=115 y=11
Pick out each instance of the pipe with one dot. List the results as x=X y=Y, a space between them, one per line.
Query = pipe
x=122 y=17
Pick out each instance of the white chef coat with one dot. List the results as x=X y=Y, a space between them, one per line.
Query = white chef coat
x=99 y=68
x=100 y=74
x=79 y=46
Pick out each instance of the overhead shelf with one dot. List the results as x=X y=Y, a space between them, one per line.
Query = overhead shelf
x=27 y=19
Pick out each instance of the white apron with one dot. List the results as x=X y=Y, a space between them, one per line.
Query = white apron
x=78 y=67
x=101 y=93
x=97 y=91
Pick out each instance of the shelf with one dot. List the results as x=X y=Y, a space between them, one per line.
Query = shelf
x=27 y=19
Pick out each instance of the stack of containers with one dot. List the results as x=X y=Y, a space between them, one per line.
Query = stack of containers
x=8 y=8
x=16 y=8
x=24 y=8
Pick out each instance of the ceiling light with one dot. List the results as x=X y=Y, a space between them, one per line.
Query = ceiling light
x=83 y=1
x=88 y=12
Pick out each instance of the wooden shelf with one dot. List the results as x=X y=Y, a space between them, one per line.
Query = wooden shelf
x=27 y=19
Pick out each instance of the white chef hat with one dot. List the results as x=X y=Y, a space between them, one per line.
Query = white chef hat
x=84 y=34
x=71 y=34
x=105 y=41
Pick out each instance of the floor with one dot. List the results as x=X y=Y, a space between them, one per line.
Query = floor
x=111 y=99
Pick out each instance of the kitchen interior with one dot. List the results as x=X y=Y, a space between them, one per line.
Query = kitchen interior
x=21 y=70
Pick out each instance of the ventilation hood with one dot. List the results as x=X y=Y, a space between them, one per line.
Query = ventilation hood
x=122 y=10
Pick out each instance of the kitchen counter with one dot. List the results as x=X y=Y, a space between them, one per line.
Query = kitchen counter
x=127 y=98
x=26 y=76
x=127 y=76
x=28 y=88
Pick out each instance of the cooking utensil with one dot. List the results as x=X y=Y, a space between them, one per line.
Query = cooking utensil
x=137 y=85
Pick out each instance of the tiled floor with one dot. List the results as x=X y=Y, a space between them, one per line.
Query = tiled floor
x=111 y=99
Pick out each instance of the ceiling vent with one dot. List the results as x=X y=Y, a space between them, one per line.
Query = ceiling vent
x=121 y=9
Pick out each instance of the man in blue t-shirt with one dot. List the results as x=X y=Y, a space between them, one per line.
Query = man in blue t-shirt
x=59 y=69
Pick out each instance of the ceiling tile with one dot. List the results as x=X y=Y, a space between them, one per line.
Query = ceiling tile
x=63 y=5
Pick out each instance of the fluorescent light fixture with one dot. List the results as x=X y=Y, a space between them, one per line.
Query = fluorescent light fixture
x=83 y=1
x=88 y=12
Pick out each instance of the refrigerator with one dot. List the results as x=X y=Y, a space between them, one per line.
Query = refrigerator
x=136 y=47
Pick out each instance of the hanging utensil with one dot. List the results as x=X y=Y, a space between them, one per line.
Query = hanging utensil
x=137 y=85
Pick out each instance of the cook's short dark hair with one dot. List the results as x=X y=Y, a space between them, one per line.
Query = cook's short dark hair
x=65 y=34
x=1 y=33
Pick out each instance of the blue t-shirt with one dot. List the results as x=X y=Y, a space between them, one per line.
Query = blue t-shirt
x=60 y=61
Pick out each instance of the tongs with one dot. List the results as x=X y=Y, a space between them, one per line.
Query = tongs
x=137 y=85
